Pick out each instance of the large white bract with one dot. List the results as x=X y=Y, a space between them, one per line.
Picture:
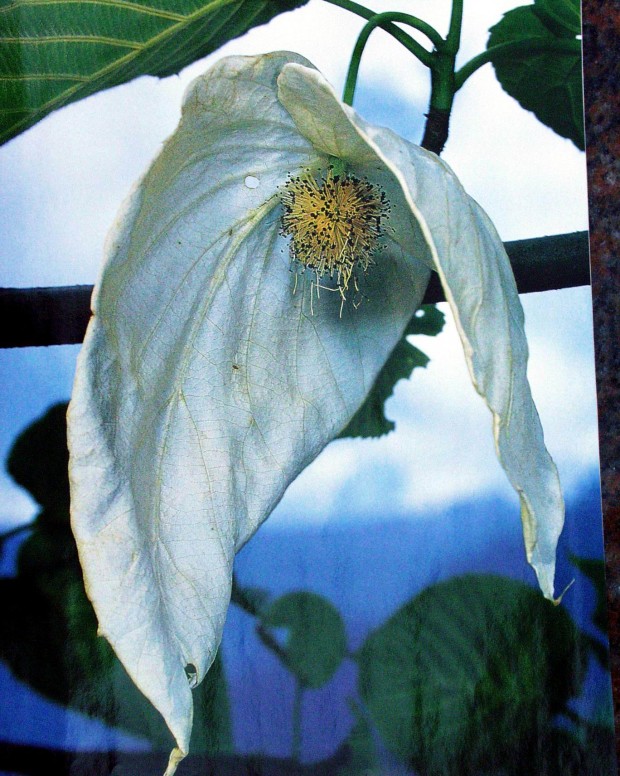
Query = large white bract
x=205 y=385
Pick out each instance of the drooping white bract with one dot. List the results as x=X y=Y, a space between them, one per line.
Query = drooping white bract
x=205 y=384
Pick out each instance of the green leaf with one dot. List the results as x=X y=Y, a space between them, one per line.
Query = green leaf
x=543 y=79
x=49 y=635
x=468 y=676
x=54 y=53
x=316 y=641
x=370 y=420
x=561 y=17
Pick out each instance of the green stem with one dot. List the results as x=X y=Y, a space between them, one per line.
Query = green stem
x=442 y=82
x=411 y=21
x=570 y=46
x=443 y=86
x=297 y=713
x=381 y=20
x=239 y=598
x=269 y=641
x=360 y=10
x=453 y=41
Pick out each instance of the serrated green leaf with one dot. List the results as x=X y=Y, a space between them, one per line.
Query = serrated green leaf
x=469 y=674
x=544 y=80
x=428 y=320
x=316 y=640
x=54 y=53
x=370 y=420
x=561 y=17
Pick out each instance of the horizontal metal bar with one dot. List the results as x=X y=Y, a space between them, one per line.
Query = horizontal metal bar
x=540 y=264
x=58 y=315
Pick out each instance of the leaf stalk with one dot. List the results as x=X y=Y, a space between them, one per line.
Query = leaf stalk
x=382 y=20
x=453 y=41
x=567 y=46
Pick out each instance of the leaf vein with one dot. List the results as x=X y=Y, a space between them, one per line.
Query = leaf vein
x=40 y=77
x=41 y=41
x=118 y=4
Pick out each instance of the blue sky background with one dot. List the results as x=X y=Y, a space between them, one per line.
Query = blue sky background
x=62 y=182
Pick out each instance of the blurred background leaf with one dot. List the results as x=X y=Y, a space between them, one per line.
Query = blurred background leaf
x=315 y=643
x=49 y=629
x=546 y=81
x=468 y=677
x=54 y=53
x=594 y=570
x=370 y=420
x=586 y=750
x=361 y=747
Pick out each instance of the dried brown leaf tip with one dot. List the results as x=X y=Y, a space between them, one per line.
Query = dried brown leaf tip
x=335 y=222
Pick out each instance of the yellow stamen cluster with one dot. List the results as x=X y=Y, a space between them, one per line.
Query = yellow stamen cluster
x=335 y=224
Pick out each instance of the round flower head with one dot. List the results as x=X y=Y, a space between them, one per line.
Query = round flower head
x=204 y=386
x=335 y=224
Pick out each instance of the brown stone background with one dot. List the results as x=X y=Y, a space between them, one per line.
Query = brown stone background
x=601 y=36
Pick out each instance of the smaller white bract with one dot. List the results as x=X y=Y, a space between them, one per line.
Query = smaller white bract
x=205 y=385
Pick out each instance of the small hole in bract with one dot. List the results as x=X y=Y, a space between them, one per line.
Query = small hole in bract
x=192 y=674
x=252 y=182
x=419 y=314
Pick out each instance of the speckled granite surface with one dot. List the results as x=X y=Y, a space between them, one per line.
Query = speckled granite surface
x=602 y=89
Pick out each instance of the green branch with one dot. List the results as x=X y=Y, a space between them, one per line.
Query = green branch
x=382 y=20
x=569 y=46
x=396 y=32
